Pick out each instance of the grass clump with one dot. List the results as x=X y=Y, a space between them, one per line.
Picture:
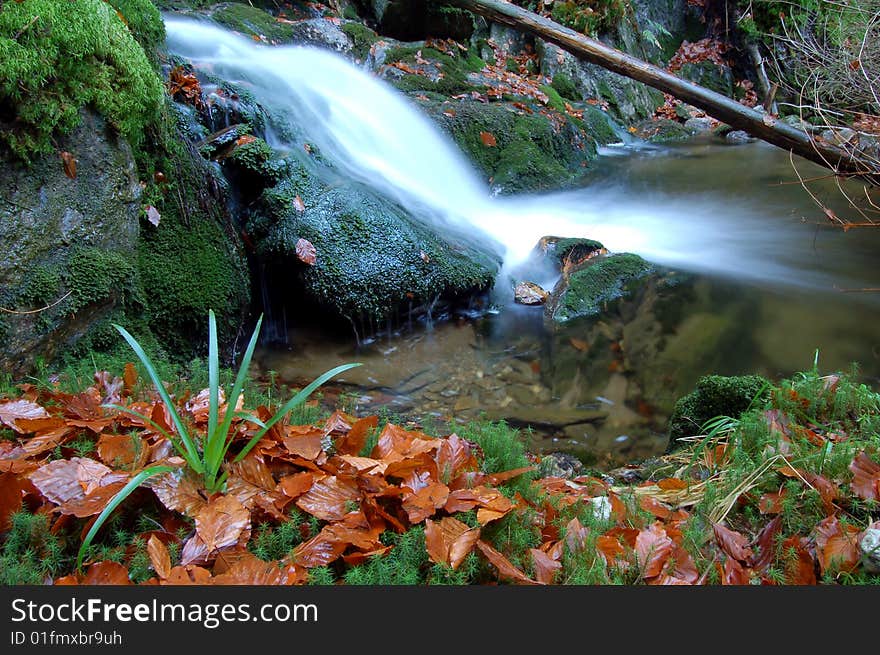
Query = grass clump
x=57 y=58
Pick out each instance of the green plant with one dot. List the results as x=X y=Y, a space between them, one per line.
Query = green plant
x=215 y=443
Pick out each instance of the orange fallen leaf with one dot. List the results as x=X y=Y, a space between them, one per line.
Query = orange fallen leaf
x=68 y=162
x=488 y=139
x=506 y=570
x=12 y=411
x=306 y=252
x=732 y=542
x=653 y=548
x=159 y=557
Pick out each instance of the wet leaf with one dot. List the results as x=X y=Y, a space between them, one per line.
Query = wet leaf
x=764 y=545
x=13 y=489
x=672 y=484
x=68 y=479
x=425 y=502
x=654 y=506
x=68 y=162
x=353 y=442
x=130 y=377
x=866 y=477
x=653 y=548
x=12 y=411
x=506 y=570
x=178 y=491
x=733 y=573
x=304 y=441
x=119 y=450
x=488 y=139
x=546 y=567
x=576 y=536
x=92 y=503
x=453 y=457
x=733 y=543
x=320 y=550
x=221 y=523
x=250 y=570
x=799 y=565
x=326 y=499
x=295 y=485
x=610 y=548
x=159 y=557
x=107 y=573
x=837 y=546
x=306 y=252
x=771 y=503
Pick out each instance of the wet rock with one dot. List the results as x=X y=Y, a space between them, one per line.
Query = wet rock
x=61 y=239
x=529 y=293
x=220 y=143
x=560 y=465
x=373 y=259
x=708 y=74
x=598 y=281
x=738 y=137
x=698 y=125
x=662 y=130
x=410 y=20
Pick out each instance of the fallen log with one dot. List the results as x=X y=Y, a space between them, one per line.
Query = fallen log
x=760 y=125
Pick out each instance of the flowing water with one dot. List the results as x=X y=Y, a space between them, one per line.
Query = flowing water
x=772 y=283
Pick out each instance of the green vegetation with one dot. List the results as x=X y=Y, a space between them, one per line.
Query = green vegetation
x=30 y=552
x=565 y=87
x=143 y=21
x=57 y=58
x=453 y=70
x=362 y=38
x=716 y=395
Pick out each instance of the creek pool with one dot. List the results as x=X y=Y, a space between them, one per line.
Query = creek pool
x=770 y=282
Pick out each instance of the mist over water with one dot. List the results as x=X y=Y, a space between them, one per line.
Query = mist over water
x=378 y=137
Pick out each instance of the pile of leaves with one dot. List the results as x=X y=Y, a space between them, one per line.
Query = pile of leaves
x=785 y=494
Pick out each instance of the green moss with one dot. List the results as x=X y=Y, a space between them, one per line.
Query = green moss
x=554 y=100
x=715 y=395
x=252 y=21
x=453 y=69
x=59 y=57
x=143 y=21
x=406 y=564
x=565 y=87
x=589 y=16
x=31 y=552
x=362 y=38
x=601 y=280
x=94 y=275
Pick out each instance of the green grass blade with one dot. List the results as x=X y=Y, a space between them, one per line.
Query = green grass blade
x=221 y=442
x=293 y=402
x=213 y=374
x=120 y=496
x=174 y=440
x=193 y=458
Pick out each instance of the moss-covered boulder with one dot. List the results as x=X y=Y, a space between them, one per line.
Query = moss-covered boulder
x=68 y=244
x=603 y=279
x=715 y=395
x=57 y=58
x=374 y=260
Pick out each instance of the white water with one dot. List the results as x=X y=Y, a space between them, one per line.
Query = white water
x=376 y=136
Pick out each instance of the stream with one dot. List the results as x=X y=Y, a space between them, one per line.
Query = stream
x=795 y=291
x=767 y=281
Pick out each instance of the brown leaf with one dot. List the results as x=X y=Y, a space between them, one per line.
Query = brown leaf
x=545 y=567
x=488 y=139
x=251 y=570
x=69 y=479
x=12 y=492
x=653 y=548
x=327 y=497
x=866 y=477
x=799 y=569
x=504 y=476
x=453 y=457
x=506 y=570
x=306 y=252
x=733 y=543
x=764 y=543
x=579 y=344
x=353 y=442
x=320 y=550
x=93 y=503
x=576 y=536
x=672 y=484
x=12 y=411
x=425 y=502
x=159 y=557
x=221 y=523
x=654 y=506
x=107 y=573
x=733 y=573
x=771 y=503
x=304 y=441
x=837 y=545
x=178 y=491
x=119 y=450
x=68 y=162
x=130 y=377
x=295 y=485
x=610 y=548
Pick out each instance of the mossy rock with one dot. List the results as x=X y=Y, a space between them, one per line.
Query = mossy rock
x=708 y=74
x=715 y=395
x=662 y=131
x=57 y=58
x=68 y=244
x=373 y=259
x=530 y=152
x=444 y=74
x=565 y=87
x=601 y=280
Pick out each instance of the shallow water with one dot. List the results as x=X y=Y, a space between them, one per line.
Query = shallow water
x=737 y=320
